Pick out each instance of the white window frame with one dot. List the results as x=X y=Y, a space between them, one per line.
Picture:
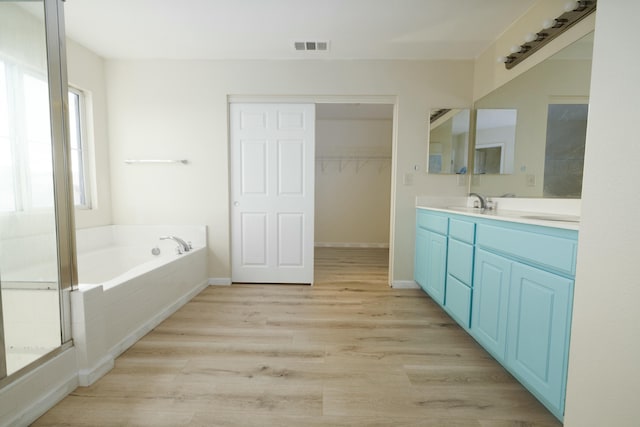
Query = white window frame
x=85 y=173
x=15 y=73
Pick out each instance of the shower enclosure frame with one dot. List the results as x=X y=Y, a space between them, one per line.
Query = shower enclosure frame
x=62 y=183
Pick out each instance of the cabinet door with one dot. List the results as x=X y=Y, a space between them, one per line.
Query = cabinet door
x=458 y=302
x=490 y=302
x=539 y=324
x=436 y=266
x=420 y=262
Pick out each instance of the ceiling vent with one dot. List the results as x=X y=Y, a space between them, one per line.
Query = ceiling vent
x=311 y=46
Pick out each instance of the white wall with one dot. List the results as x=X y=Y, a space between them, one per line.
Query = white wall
x=353 y=196
x=604 y=375
x=178 y=109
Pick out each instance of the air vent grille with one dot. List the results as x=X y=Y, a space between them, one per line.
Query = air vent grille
x=311 y=46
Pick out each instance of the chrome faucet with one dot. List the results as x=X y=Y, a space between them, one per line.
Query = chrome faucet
x=483 y=201
x=184 y=246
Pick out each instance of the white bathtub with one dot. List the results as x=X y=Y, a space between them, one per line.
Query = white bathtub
x=125 y=291
x=114 y=254
x=114 y=265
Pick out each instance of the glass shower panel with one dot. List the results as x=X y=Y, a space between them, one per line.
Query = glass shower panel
x=29 y=278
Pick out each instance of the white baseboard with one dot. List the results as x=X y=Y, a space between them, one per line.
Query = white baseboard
x=143 y=330
x=404 y=284
x=55 y=393
x=89 y=376
x=86 y=377
x=351 y=245
x=219 y=281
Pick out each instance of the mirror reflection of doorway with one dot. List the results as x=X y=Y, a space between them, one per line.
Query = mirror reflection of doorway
x=564 y=150
x=488 y=160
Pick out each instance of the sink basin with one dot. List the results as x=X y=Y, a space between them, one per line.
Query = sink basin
x=552 y=217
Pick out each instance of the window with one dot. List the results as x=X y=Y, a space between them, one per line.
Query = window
x=25 y=141
x=77 y=143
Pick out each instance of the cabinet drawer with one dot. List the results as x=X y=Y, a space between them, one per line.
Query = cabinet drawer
x=548 y=251
x=433 y=222
x=462 y=230
x=460 y=261
x=458 y=301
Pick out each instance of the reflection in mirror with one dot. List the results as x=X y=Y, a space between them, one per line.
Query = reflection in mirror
x=495 y=141
x=551 y=103
x=564 y=151
x=449 y=141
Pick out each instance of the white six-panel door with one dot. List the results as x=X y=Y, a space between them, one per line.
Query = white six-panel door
x=272 y=192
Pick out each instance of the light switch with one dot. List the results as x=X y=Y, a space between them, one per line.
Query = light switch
x=531 y=180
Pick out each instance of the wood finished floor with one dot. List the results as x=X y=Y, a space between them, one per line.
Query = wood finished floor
x=348 y=351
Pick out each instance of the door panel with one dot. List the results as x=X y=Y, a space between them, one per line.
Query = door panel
x=254 y=238
x=490 y=302
x=272 y=150
x=290 y=239
x=539 y=325
x=291 y=168
x=420 y=269
x=291 y=120
x=436 y=266
x=253 y=164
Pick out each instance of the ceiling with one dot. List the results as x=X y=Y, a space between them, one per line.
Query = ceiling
x=267 y=29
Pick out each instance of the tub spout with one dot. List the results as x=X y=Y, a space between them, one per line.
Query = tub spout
x=186 y=247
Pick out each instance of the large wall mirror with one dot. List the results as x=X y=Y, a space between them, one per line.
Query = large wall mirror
x=530 y=132
x=449 y=141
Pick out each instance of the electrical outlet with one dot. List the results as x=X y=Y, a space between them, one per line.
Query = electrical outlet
x=531 y=180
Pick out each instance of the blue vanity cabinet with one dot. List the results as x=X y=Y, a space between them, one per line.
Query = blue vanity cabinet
x=431 y=253
x=539 y=325
x=510 y=285
x=460 y=255
x=491 y=302
x=420 y=265
x=523 y=293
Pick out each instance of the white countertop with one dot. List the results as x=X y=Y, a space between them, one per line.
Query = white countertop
x=546 y=212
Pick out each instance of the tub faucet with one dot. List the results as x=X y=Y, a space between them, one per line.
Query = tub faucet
x=483 y=201
x=184 y=246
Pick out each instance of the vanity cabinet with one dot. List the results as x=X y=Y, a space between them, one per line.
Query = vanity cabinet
x=490 y=302
x=431 y=254
x=539 y=325
x=510 y=285
x=460 y=255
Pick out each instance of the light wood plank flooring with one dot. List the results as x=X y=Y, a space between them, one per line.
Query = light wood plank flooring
x=348 y=351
